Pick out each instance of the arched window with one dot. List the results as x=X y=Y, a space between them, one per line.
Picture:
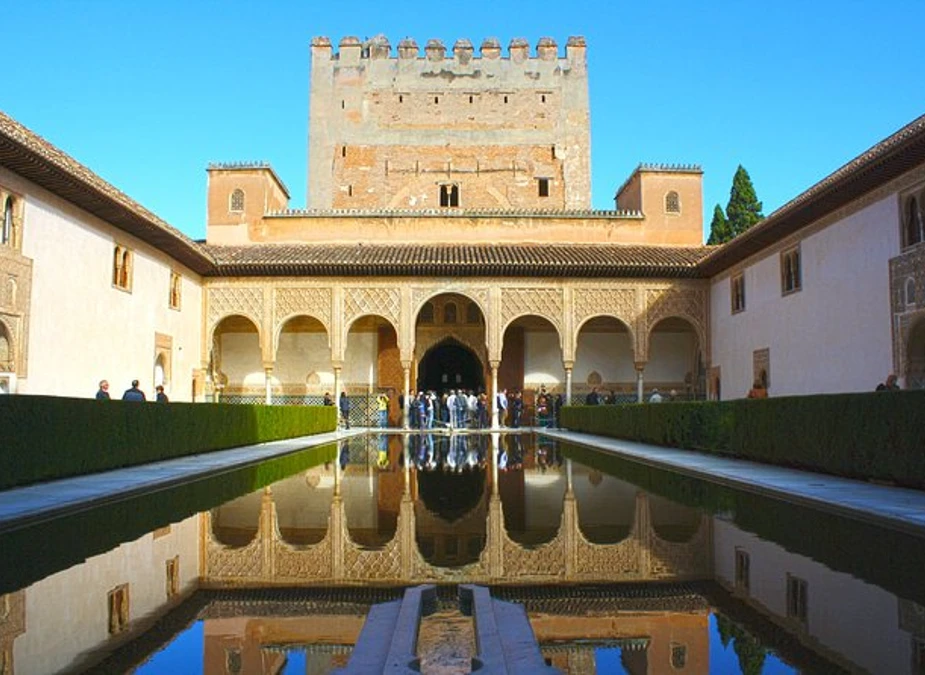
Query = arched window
x=672 y=202
x=912 y=230
x=473 y=314
x=427 y=313
x=449 y=313
x=237 y=200
x=7 y=236
x=122 y=268
x=910 y=291
x=6 y=351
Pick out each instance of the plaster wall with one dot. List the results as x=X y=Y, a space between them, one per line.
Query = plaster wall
x=542 y=360
x=300 y=354
x=832 y=336
x=835 y=600
x=83 y=328
x=608 y=354
x=67 y=613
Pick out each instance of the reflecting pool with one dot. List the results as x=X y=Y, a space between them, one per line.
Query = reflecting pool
x=622 y=568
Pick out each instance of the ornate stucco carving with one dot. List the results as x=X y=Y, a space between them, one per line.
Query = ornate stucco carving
x=315 y=302
x=243 y=300
x=685 y=303
x=384 y=302
x=544 y=302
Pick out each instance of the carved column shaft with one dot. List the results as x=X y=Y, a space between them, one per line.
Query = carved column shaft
x=643 y=529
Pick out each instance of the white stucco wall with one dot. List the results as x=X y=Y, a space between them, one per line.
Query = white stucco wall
x=300 y=354
x=608 y=354
x=67 y=614
x=542 y=360
x=832 y=336
x=83 y=329
x=847 y=615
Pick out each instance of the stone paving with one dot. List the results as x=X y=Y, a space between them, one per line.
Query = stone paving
x=34 y=503
x=883 y=505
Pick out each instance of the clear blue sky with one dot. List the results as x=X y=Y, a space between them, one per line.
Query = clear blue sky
x=146 y=94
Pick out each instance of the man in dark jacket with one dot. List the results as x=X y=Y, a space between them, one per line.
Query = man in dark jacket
x=134 y=393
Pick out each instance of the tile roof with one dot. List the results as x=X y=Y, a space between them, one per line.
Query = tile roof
x=478 y=260
x=873 y=168
x=31 y=156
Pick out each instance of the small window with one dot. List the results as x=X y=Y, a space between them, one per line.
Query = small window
x=122 y=268
x=738 y=293
x=743 y=576
x=349 y=190
x=449 y=196
x=427 y=313
x=118 y=609
x=176 y=284
x=542 y=186
x=542 y=98
x=449 y=313
x=473 y=313
x=436 y=99
x=678 y=656
x=471 y=99
x=910 y=291
x=173 y=577
x=912 y=223
x=797 y=601
x=343 y=151
x=401 y=98
x=6 y=238
x=672 y=202
x=505 y=99
x=791 y=277
x=236 y=203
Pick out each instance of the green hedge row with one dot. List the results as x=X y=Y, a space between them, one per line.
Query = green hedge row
x=48 y=437
x=878 y=435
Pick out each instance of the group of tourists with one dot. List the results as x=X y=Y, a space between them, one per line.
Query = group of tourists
x=133 y=393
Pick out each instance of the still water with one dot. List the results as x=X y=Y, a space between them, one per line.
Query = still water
x=622 y=568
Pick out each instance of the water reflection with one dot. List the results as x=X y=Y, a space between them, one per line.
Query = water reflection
x=622 y=569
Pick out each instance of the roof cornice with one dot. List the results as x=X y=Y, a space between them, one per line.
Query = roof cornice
x=885 y=161
x=35 y=159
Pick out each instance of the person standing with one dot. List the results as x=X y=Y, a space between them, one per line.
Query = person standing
x=344 y=405
x=502 y=406
x=382 y=406
x=134 y=393
x=517 y=408
x=161 y=396
x=102 y=394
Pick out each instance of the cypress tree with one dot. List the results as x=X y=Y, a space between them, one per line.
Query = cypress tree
x=743 y=209
x=719 y=228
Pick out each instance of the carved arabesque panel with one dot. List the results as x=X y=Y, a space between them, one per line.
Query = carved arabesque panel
x=544 y=302
x=618 y=302
x=247 y=301
x=384 y=302
x=314 y=302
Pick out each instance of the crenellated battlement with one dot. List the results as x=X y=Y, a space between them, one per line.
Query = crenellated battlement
x=351 y=50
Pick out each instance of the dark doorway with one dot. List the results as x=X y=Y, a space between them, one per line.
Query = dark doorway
x=450 y=365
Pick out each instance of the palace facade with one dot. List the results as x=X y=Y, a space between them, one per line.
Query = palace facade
x=449 y=243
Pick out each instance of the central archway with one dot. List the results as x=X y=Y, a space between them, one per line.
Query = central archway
x=450 y=365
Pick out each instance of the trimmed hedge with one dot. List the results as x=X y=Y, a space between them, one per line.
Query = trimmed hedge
x=48 y=437
x=878 y=435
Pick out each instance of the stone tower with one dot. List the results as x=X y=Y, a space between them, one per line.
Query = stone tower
x=442 y=130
